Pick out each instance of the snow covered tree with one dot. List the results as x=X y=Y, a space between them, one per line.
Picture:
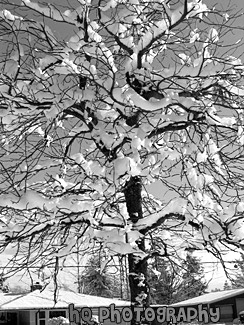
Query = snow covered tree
x=163 y=280
x=193 y=281
x=227 y=286
x=97 y=280
x=170 y=283
x=237 y=281
x=138 y=92
x=3 y=286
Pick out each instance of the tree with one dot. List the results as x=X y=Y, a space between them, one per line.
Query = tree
x=97 y=280
x=227 y=286
x=170 y=283
x=163 y=279
x=3 y=286
x=138 y=93
x=237 y=281
x=193 y=282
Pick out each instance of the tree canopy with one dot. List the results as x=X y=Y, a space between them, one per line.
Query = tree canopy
x=138 y=93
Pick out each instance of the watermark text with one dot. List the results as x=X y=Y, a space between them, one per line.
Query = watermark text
x=162 y=314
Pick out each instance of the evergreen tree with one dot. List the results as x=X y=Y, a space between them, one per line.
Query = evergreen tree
x=96 y=280
x=193 y=282
x=238 y=280
x=3 y=286
x=227 y=286
x=171 y=283
x=163 y=281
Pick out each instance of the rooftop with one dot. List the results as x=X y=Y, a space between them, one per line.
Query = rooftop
x=45 y=300
x=209 y=298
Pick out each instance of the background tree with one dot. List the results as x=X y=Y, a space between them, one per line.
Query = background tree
x=96 y=279
x=193 y=282
x=137 y=94
x=227 y=286
x=3 y=285
x=237 y=281
x=170 y=282
x=163 y=279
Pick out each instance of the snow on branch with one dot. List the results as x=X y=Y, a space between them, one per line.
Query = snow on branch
x=132 y=97
x=52 y=12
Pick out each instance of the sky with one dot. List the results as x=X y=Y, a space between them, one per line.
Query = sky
x=213 y=269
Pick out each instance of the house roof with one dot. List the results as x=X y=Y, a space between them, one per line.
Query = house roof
x=6 y=297
x=210 y=298
x=45 y=300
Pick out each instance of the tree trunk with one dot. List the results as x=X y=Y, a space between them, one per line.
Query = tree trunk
x=137 y=267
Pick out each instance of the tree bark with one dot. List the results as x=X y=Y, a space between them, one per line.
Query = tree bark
x=137 y=267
